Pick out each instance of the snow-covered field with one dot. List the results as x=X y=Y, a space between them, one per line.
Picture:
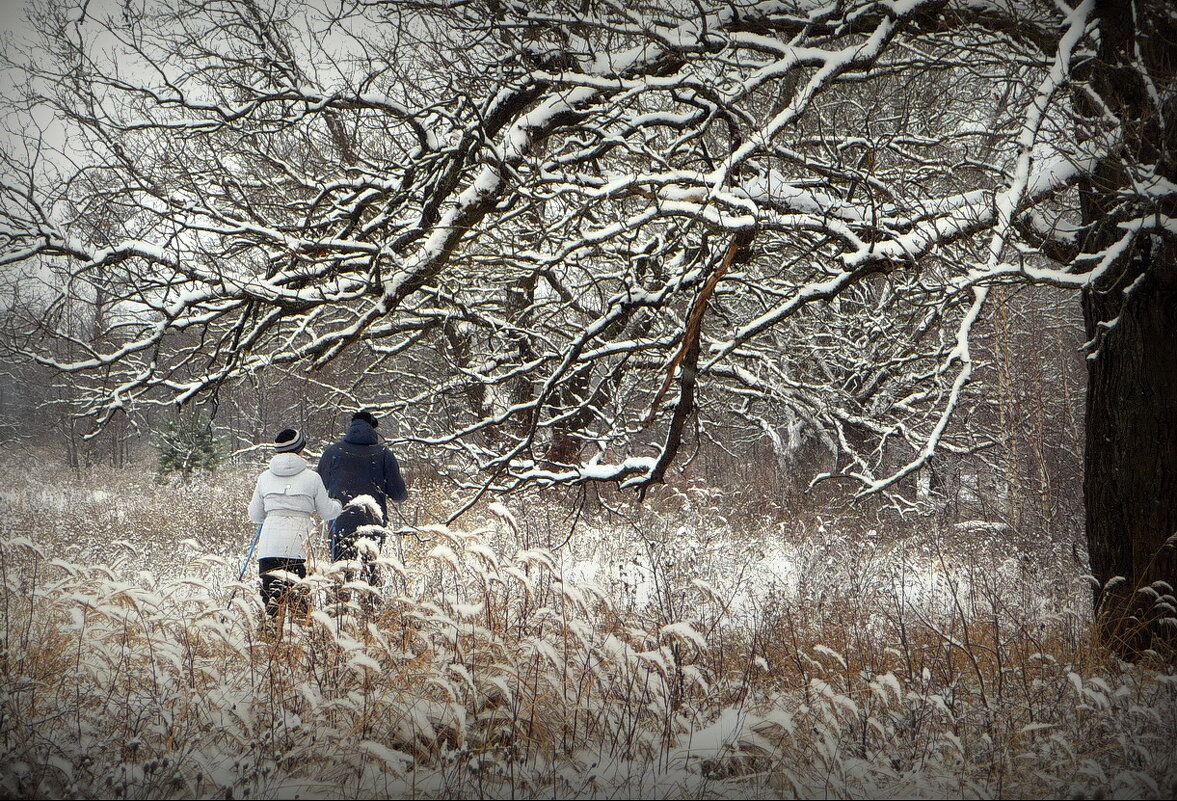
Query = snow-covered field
x=669 y=653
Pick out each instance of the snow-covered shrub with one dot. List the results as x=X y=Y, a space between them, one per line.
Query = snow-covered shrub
x=189 y=442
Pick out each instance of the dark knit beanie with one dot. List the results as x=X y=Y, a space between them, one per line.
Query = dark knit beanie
x=366 y=416
x=289 y=440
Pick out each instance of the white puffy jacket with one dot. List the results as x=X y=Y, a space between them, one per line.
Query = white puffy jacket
x=285 y=498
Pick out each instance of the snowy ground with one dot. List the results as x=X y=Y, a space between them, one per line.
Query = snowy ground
x=668 y=654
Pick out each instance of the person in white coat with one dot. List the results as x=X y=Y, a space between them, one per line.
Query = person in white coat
x=285 y=498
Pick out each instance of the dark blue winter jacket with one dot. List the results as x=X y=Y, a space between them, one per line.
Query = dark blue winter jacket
x=360 y=465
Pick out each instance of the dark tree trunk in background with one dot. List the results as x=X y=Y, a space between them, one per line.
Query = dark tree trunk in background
x=1131 y=458
x=1130 y=486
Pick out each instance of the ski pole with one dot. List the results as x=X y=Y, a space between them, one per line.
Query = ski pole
x=245 y=565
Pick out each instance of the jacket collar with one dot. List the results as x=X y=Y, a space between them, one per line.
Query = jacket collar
x=287 y=464
x=360 y=432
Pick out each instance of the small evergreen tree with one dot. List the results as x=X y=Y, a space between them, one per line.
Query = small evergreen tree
x=189 y=442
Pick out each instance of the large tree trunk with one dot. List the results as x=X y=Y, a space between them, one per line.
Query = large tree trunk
x=1131 y=316
x=1131 y=459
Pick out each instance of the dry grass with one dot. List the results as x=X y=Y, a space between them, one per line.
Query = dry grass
x=487 y=667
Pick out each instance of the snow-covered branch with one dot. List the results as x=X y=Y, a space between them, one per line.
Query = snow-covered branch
x=511 y=216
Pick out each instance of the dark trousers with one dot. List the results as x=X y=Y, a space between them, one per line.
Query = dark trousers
x=275 y=589
x=345 y=549
x=344 y=544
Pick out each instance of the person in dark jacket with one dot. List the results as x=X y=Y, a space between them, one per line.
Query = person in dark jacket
x=363 y=475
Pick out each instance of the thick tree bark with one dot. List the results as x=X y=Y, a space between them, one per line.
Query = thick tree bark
x=1130 y=484
x=1131 y=458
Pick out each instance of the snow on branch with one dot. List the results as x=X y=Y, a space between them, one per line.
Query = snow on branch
x=502 y=224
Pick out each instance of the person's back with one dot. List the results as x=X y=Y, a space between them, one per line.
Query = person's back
x=356 y=466
x=284 y=498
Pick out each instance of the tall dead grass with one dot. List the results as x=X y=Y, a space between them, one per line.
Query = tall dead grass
x=485 y=667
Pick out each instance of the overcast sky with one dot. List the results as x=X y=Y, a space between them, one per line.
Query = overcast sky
x=11 y=15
